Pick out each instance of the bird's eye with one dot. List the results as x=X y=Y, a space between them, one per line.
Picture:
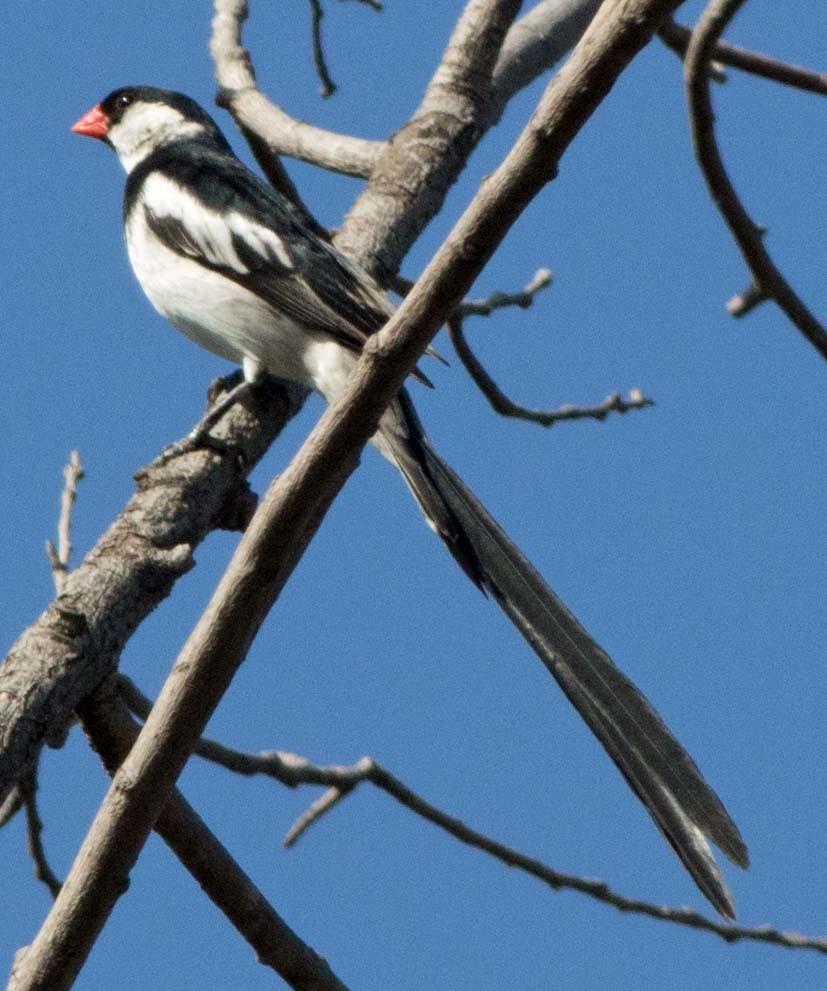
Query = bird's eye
x=123 y=101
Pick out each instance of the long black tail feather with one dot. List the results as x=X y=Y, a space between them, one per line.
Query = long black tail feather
x=657 y=768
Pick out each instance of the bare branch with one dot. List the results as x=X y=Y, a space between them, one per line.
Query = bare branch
x=42 y=871
x=500 y=300
x=328 y=87
x=373 y=4
x=59 y=557
x=112 y=732
x=748 y=235
x=345 y=779
x=294 y=505
x=323 y=804
x=77 y=640
x=677 y=37
x=340 y=780
x=413 y=174
x=500 y=402
x=269 y=130
x=537 y=42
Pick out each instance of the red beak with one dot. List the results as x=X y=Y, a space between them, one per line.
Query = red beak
x=94 y=124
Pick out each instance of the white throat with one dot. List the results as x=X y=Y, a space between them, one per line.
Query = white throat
x=145 y=127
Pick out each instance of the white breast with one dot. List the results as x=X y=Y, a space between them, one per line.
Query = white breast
x=214 y=311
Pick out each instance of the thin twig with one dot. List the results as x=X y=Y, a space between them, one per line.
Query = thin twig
x=328 y=87
x=340 y=780
x=345 y=779
x=744 y=302
x=26 y=788
x=499 y=300
x=748 y=235
x=42 y=871
x=373 y=4
x=321 y=806
x=267 y=128
x=500 y=402
x=59 y=557
x=677 y=36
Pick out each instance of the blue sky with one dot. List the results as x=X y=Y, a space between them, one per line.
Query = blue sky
x=689 y=538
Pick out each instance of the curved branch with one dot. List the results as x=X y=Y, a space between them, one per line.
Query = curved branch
x=269 y=130
x=748 y=235
x=502 y=404
x=537 y=42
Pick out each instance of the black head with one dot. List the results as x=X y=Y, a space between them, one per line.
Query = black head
x=135 y=120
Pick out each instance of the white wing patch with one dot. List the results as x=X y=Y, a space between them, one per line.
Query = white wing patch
x=261 y=240
x=207 y=230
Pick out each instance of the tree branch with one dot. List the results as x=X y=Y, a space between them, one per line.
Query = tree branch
x=294 y=505
x=425 y=156
x=499 y=401
x=34 y=828
x=535 y=43
x=59 y=556
x=268 y=129
x=75 y=643
x=748 y=235
x=112 y=732
x=677 y=37
x=502 y=404
x=343 y=780
x=340 y=780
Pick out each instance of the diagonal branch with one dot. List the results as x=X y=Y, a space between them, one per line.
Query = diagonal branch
x=294 y=505
x=748 y=235
x=76 y=642
x=677 y=37
x=412 y=176
x=112 y=732
x=341 y=780
x=536 y=42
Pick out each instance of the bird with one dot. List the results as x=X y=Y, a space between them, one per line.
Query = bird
x=240 y=269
